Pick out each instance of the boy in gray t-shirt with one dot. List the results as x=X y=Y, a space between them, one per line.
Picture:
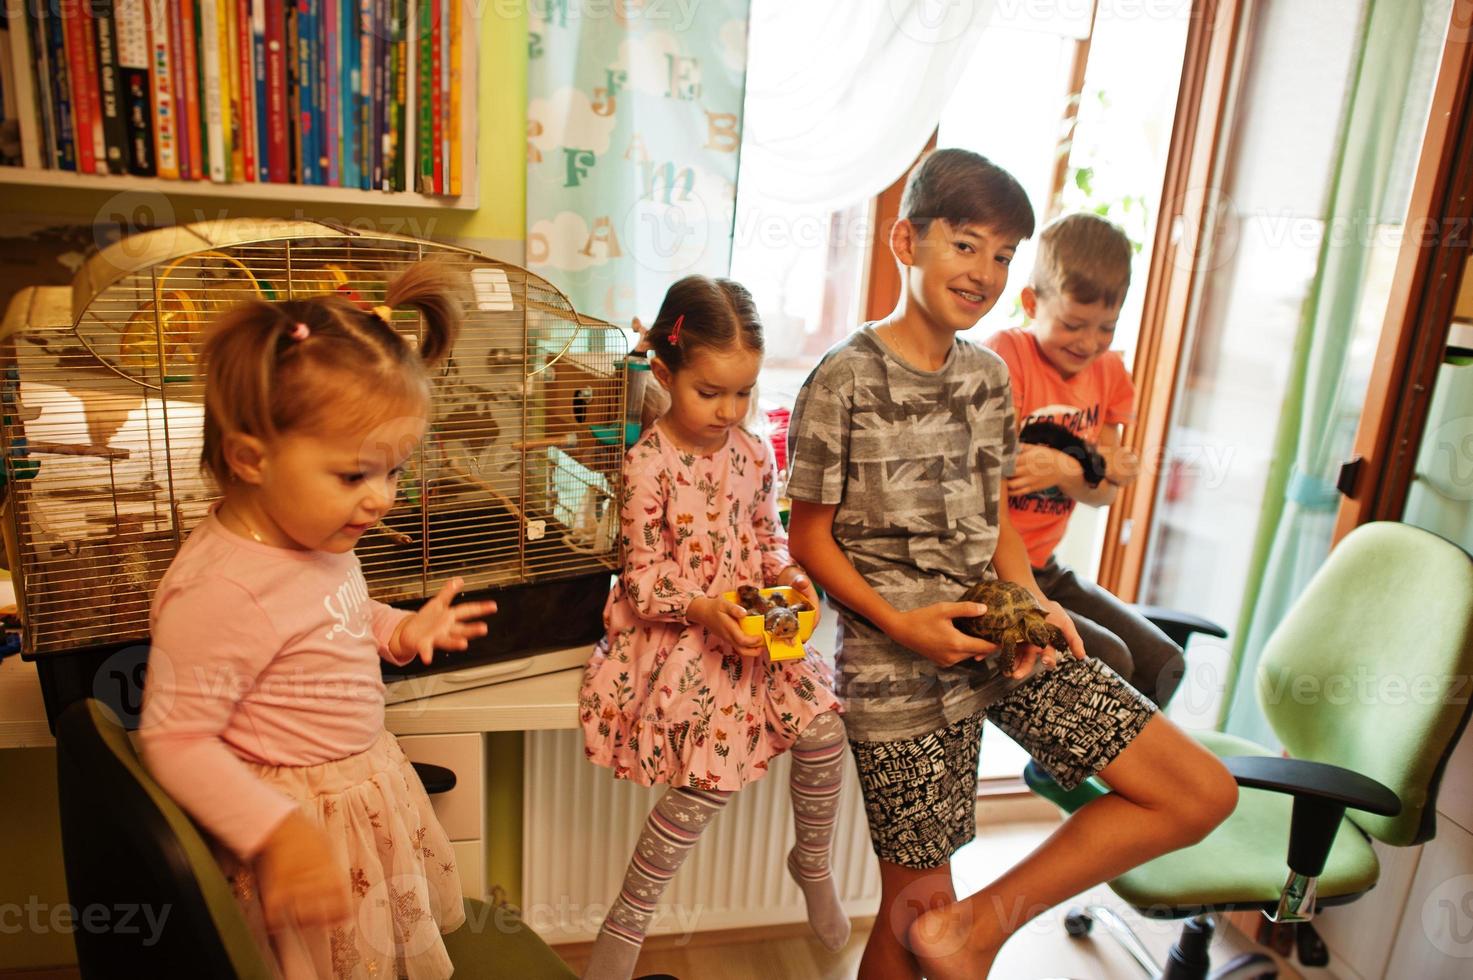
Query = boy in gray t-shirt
x=901 y=439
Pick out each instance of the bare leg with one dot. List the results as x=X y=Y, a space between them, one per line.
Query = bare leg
x=904 y=894
x=1168 y=792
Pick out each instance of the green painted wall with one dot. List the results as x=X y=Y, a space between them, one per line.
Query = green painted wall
x=32 y=880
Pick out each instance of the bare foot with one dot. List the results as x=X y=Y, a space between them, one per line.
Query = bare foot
x=944 y=942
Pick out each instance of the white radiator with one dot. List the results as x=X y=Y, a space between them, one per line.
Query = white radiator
x=580 y=825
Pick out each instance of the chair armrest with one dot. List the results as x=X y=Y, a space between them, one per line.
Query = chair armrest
x=1302 y=777
x=436 y=779
x=1179 y=625
x=1321 y=794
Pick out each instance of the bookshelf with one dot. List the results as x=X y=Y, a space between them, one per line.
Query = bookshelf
x=461 y=95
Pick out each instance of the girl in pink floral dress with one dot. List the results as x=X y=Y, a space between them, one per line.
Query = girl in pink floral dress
x=676 y=693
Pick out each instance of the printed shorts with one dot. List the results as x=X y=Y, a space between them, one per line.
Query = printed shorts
x=920 y=793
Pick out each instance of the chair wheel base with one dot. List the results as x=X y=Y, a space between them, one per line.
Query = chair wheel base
x=1078 y=923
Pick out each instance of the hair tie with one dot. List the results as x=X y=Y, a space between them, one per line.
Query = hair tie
x=384 y=313
x=300 y=332
x=675 y=330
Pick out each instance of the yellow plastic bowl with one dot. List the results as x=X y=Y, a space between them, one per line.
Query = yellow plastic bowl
x=777 y=649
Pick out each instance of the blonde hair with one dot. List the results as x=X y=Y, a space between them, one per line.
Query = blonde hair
x=273 y=368
x=1084 y=256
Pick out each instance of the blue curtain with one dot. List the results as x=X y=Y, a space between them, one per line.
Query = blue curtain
x=633 y=131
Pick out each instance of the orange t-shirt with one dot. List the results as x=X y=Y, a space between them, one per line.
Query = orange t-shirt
x=1098 y=396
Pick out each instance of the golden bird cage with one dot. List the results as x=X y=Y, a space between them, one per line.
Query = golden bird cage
x=514 y=485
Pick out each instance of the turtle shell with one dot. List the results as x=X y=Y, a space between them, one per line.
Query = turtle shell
x=1006 y=603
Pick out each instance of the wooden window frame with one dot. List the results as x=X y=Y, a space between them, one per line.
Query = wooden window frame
x=1423 y=293
x=1212 y=64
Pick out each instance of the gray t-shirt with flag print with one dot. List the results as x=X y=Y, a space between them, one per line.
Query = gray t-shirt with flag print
x=914 y=461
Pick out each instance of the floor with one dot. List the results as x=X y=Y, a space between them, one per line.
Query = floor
x=1041 y=950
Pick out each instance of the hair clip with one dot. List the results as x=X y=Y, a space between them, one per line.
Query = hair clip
x=674 y=337
x=301 y=331
x=384 y=313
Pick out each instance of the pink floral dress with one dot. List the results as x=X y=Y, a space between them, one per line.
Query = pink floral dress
x=668 y=702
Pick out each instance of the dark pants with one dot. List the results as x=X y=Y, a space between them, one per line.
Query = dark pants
x=1115 y=634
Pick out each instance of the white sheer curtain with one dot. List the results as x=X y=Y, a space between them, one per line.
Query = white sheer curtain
x=842 y=94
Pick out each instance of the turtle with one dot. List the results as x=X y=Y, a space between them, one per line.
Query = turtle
x=751 y=599
x=1013 y=617
x=781 y=622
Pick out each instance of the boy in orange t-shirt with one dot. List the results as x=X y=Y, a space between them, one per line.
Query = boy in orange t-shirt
x=1072 y=394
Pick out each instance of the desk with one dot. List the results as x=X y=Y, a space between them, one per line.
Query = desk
x=22 y=710
x=548 y=701
x=531 y=704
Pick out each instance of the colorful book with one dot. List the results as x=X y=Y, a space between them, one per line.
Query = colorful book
x=424 y=180
x=26 y=93
x=161 y=78
x=278 y=116
x=181 y=80
x=329 y=78
x=214 y=99
x=45 y=99
x=245 y=90
x=230 y=87
x=452 y=123
x=366 y=55
x=61 y=93
x=109 y=87
x=348 y=96
x=82 y=103
x=191 y=124
x=261 y=125
x=132 y=35
x=437 y=104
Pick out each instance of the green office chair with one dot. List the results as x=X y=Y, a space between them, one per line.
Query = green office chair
x=126 y=844
x=1366 y=684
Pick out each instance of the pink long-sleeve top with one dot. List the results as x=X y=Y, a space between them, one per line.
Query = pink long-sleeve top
x=260 y=655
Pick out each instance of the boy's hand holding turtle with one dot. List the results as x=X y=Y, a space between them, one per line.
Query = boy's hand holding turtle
x=931 y=632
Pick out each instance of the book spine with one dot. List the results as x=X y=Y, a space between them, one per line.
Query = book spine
x=109 y=86
x=364 y=97
x=278 y=121
x=76 y=59
x=293 y=93
x=437 y=104
x=45 y=101
x=453 y=83
x=261 y=121
x=61 y=92
x=161 y=73
x=320 y=61
x=191 y=139
x=245 y=90
x=423 y=76
x=348 y=97
x=137 y=99
x=214 y=108
x=330 y=77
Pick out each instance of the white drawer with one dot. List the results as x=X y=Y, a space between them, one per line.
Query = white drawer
x=462 y=811
x=470 y=861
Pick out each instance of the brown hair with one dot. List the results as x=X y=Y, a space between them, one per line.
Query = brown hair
x=712 y=313
x=1084 y=256
x=961 y=187
x=273 y=368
